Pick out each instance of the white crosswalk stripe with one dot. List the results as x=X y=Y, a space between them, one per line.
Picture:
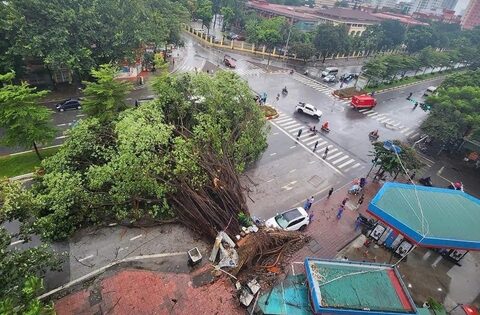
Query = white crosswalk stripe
x=337 y=158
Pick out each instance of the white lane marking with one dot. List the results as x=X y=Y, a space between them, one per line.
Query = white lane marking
x=270 y=180
x=409 y=133
x=381 y=117
x=275 y=133
x=369 y=111
x=81 y=115
x=352 y=167
x=363 y=110
x=415 y=135
x=16 y=242
x=294 y=170
x=135 y=237
x=60 y=137
x=292 y=127
x=295 y=130
x=404 y=130
x=85 y=258
x=320 y=142
x=372 y=114
x=61 y=125
x=340 y=159
x=334 y=156
x=332 y=150
x=311 y=162
x=122 y=248
x=274 y=153
x=346 y=163
x=306 y=148
x=395 y=125
x=293 y=147
x=306 y=134
x=289 y=186
x=283 y=119
x=288 y=123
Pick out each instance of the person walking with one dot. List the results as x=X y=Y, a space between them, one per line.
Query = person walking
x=325 y=153
x=330 y=192
x=299 y=133
x=358 y=222
x=308 y=203
x=344 y=201
x=412 y=177
x=360 y=200
x=340 y=212
x=315 y=146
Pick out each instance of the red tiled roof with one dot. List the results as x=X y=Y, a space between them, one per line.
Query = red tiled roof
x=284 y=10
x=405 y=19
x=348 y=15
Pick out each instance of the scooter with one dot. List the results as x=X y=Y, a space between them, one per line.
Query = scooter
x=325 y=129
x=284 y=92
x=373 y=136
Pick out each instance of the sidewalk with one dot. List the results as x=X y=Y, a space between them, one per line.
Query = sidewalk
x=328 y=234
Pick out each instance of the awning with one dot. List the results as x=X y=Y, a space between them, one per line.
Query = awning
x=429 y=216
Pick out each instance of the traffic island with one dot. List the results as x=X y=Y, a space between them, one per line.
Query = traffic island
x=348 y=93
x=269 y=112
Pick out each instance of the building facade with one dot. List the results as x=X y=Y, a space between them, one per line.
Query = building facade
x=472 y=15
x=449 y=4
x=427 y=6
x=356 y=21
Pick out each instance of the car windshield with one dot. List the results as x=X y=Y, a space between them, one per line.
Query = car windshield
x=285 y=218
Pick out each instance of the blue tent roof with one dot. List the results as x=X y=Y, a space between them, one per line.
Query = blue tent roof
x=430 y=216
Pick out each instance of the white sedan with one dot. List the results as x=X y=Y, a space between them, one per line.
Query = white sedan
x=308 y=109
x=290 y=220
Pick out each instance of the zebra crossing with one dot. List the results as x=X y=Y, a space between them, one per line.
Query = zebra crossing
x=250 y=72
x=411 y=133
x=336 y=157
x=322 y=88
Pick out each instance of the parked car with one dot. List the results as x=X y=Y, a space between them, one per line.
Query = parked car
x=330 y=78
x=347 y=77
x=232 y=36
x=68 y=104
x=290 y=220
x=308 y=109
x=229 y=61
x=363 y=101
x=330 y=70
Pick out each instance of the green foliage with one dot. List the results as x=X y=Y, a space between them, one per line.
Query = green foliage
x=303 y=51
x=331 y=39
x=105 y=97
x=125 y=170
x=81 y=34
x=419 y=37
x=268 y=32
x=391 y=163
x=27 y=303
x=455 y=113
x=204 y=12
x=469 y=78
x=244 y=219
x=19 y=266
x=342 y=4
x=21 y=164
x=24 y=120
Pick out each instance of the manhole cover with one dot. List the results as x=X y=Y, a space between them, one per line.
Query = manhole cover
x=315 y=180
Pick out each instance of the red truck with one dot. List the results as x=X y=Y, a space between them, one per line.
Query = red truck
x=363 y=101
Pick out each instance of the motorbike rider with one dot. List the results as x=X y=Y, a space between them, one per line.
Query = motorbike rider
x=325 y=126
x=374 y=133
x=284 y=90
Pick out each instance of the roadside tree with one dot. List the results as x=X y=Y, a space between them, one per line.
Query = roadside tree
x=26 y=122
x=330 y=39
x=205 y=13
x=105 y=97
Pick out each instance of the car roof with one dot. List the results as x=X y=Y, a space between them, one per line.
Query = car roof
x=294 y=214
x=364 y=97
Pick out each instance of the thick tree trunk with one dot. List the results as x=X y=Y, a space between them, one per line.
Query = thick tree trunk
x=36 y=151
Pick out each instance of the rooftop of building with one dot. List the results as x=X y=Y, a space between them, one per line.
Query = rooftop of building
x=430 y=216
x=299 y=13
x=356 y=287
x=404 y=19
x=347 y=15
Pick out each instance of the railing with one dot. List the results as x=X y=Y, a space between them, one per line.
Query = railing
x=225 y=43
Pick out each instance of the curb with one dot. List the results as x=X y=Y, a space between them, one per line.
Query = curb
x=104 y=268
x=23 y=177
x=409 y=84
x=272 y=117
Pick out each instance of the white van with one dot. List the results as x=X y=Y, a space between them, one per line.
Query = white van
x=330 y=70
x=430 y=91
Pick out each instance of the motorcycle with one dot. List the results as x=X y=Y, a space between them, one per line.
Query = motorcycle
x=284 y=92
x=373 y=136
x=426 y=181
x=325 y=129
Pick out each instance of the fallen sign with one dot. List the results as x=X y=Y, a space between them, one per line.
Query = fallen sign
x=228 y=254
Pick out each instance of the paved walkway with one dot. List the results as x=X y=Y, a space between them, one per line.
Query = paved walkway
x=330 y=235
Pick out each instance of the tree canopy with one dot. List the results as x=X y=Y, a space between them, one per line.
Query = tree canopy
x=81 y=34
x=25 y=121
x=156 y=162
x=268 y=32
x=331 y=39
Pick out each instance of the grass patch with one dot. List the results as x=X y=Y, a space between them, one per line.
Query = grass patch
x=268 y=111
x=407 y=80
x=22 y=163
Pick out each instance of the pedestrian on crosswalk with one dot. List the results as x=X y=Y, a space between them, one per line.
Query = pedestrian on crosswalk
x=315 y=146
x=299 y=133
x=325 y=153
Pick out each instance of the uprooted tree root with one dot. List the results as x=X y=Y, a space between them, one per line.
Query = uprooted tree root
x=268 y=249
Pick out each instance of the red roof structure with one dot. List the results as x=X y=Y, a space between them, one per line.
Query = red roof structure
x=404 y=19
